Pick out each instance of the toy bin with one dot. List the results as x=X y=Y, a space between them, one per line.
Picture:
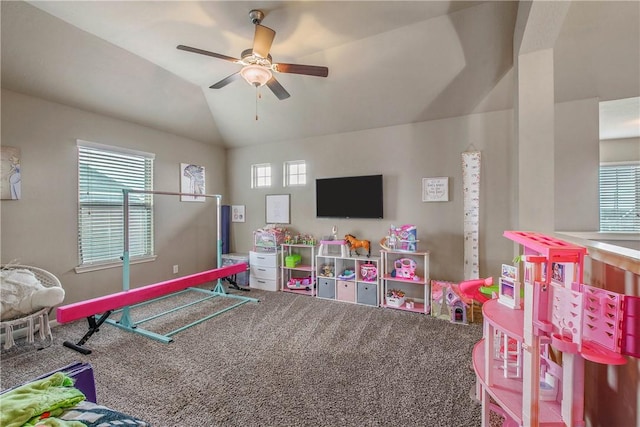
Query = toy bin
x=292 y=261
x=395 y=301
x=242 y=278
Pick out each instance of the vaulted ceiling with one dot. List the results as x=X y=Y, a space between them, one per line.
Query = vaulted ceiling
x=390 y=63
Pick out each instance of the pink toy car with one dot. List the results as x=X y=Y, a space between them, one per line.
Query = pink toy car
x=300 y=283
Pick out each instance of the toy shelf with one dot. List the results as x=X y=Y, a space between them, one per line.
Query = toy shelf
x=407 y=272
x=400 y=279
x=418 y=307
x=298 y=269
x=360 y=287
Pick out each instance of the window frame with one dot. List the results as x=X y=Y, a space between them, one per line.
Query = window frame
x=261 y=171
x=288 y=173
x=109 y=203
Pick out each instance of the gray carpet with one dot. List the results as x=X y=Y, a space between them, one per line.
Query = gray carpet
x=288 y=360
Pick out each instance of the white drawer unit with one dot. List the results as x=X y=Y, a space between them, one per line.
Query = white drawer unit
x=264 y=270
x=264 y=259
x=268 y=273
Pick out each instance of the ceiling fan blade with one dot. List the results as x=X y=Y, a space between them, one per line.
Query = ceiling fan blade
x=308 y=70
x=262 y=40
x=222 y=83
x=277 y=89
x=206 y=52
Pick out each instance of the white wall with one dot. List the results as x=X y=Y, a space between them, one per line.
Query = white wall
x=620 y=150
x=404 y=154
x=577 y=203
x=41 y=228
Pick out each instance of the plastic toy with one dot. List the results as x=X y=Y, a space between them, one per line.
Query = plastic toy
x=368 y=272
x=401 y=239
x=395 y=298
x=473 y=289
x=355 y=244
x=291 y=261
x=561 y=314
x=300 y=283
x=326 y=247
x=405 y=268
x=347 y=275
x=454 y=301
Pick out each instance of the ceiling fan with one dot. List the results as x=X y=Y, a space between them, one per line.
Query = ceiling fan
x=257 y=64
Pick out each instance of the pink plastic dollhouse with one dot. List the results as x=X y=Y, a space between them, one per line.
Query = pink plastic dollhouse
x=531 y=360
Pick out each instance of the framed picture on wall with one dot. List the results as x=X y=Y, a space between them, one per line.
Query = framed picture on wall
x=237 y=213
x=10 y=173
x=192 y=182
x=277 y=209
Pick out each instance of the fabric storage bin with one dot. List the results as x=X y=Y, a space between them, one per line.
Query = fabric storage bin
x=346 y=291
x=326 y=288
x=367 y=294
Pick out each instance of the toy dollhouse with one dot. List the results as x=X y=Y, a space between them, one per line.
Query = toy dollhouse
x=531 y=360
x=449 y=303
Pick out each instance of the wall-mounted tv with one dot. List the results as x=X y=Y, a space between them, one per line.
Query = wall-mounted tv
x=349 y=197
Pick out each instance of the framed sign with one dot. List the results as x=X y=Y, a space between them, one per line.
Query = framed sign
x=435 y=189
x=277 y=209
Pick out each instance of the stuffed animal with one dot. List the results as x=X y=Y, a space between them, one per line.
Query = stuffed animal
x=21 y=293
x=327 y=270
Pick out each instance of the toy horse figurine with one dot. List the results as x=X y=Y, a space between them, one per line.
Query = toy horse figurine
x=354 y=244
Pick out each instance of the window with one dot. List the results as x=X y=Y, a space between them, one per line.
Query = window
x=295 y=173
x=103 y=172
x=261 y=175
x=620 y=197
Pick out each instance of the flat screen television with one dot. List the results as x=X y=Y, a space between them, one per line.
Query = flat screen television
x=349 y=197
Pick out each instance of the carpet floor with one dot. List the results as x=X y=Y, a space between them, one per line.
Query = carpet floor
x=289 y=360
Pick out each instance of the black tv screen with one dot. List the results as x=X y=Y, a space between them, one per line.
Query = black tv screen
x=349 y=197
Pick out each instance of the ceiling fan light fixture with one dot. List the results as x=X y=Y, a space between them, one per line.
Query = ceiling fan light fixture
x=256 y=75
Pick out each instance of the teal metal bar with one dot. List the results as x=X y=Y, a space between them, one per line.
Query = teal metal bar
x=141 y=331
x=125 y=321
x=206 y=318
x=175 y=309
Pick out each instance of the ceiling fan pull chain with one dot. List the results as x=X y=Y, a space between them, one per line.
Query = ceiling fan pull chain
x=258 y=96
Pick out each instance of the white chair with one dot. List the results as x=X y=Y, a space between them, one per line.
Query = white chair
x=37 y=321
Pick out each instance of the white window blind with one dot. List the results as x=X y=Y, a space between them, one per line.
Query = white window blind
x=103 y=172
x=620 y=197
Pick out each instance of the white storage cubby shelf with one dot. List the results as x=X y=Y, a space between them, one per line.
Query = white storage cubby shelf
x=351 y=279
x=298 y=268
x=407 y=272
